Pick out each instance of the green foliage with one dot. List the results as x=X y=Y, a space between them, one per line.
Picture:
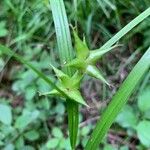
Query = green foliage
x=143 y=132
x=2 y=64
x=139 y=123
x=32 y=135
x=105 y=4
x=52 y=143
x=26 y=118
x=7 y=118
x=66 y=54
x=9 y=52
x=28 y=29
x=69 y=85
x=57 y=132
x=3 y=30
x=119 y=100
x=109 y=147
x=143 y=100
x=85 y=59
x=127 y=118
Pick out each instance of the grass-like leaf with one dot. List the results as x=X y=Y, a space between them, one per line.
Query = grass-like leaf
x=125 y=90
x=126 y=29
x=10 y=53
x=66 y=55
x=118 y=101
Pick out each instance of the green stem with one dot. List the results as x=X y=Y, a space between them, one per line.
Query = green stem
x=66 y=55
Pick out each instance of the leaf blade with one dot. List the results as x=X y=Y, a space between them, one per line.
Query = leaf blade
x=126 y=29
x=118 y=101
x=5 y=114
x=9 y=52
x=66 y=55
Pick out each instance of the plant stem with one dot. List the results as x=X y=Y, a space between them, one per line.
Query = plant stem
x=66 y=55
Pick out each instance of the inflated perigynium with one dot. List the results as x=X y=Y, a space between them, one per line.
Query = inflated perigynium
x=86 y=59
x=85 y=64
x=69 y=85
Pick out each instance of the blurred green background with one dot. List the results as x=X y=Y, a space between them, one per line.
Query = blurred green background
x=30 y=122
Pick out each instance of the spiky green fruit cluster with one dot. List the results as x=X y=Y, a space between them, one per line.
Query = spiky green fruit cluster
x=69 y=85
x=84 y=63
x=86 y=59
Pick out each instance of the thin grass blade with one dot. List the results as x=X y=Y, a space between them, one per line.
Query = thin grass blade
x=126 y=29
x=10 y=53
x=118 y=101
x=66 y=55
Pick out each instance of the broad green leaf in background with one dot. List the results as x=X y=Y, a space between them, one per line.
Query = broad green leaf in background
x=144 y=100
x=32 y=135
x=19 y=142
x=30 y=92
x=1 y=143
x=27 y=147
x=85 y=130
x=56 y=132
x=60 y=109
x=3 y=30
x=10 y=146
x=52 y=143
x=26 y=118
x=146 y=114
x=127 y=117
x=124 y=148
x=64 y=144
x=5 y=114
x=143 y=132
x=109 y=147
x=5 y=130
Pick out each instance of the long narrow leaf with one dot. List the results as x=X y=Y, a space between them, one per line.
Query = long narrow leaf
x=126 y=29
x=9 y=52
x=118 y=101
x=66 y=55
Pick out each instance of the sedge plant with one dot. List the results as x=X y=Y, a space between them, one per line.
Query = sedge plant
x=74 y=68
